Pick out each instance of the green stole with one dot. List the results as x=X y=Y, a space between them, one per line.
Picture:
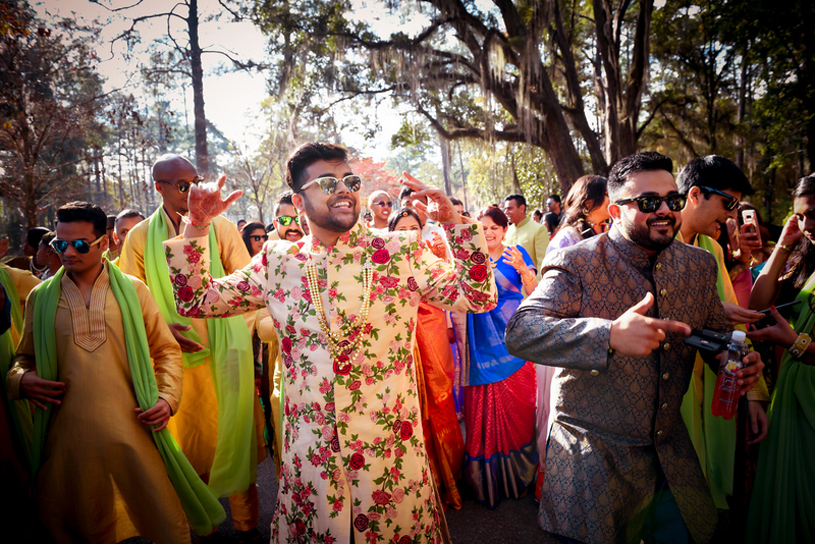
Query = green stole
x=782 y=509
x=20 y=409
x=200 y=504
x=234 y=467
x=714 y=438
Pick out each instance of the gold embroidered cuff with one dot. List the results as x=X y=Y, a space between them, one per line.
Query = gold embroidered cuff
x=800 y=346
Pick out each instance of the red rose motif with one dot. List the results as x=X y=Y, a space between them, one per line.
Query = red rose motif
x=405 y=540
x=335 y=443
x=300 y=257
x=381 y=256
x=181 y=280
x=341 y=366
x=357 y=461
x=243 y=286
x=185 y=293
x=361 y=522
x=285 y=344
x=378 y=243
x=195 y=311
x=397 y=425
x=466 y=235
x=478 y=258
x=411 y=283
x=355 y=385
x=478 y=273
x=406 y=431
x=291 y=329
x=389 y=282
x=299 y=526
x=381 y=497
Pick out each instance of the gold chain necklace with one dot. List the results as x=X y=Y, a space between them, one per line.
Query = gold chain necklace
x=344 y=342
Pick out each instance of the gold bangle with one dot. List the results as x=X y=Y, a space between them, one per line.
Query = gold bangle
x=527 y=275
x=800 y=346
x=785 y=248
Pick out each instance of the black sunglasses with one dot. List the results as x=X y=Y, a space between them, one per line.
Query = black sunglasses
x=328 y=184
x=259 y=237
x=182 y=186
x=286 y=220
x=650 y=204
x=80 y=245
x=732 y=202
x=385 y=204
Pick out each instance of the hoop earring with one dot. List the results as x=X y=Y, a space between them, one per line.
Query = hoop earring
x=585 y=211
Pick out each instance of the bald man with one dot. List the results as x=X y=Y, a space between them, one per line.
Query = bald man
x=380 y=205
x=220 y=441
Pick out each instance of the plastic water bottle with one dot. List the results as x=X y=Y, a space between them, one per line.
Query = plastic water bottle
x=726 y=397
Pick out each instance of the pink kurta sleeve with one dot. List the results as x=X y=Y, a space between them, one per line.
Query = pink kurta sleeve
x=466 y=285
x=199 y=295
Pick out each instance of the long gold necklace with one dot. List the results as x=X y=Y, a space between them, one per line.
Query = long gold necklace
x=344 y=342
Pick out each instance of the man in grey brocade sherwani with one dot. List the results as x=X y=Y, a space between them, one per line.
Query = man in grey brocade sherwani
x=613 y=312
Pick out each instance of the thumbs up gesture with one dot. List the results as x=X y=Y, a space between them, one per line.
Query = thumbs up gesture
x=636 y=334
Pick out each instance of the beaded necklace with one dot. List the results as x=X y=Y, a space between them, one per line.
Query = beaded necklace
x=344 y=342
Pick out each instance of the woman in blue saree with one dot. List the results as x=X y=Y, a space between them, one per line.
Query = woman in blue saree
x=499 y=406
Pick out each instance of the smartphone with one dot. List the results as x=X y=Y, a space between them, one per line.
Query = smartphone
x=749 y=217
x=768 y=320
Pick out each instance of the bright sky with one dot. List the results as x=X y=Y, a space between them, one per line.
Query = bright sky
x=232 y=100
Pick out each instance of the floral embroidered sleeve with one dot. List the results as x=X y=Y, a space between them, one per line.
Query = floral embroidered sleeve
x=466 y=285
x=199 y=295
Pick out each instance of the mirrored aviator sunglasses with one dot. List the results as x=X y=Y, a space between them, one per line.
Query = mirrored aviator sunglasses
x=328 y=184
x=650 y=204
x=81 y=246
x=286 y=220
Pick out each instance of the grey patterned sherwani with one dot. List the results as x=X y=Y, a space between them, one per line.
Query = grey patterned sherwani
x=617 y=417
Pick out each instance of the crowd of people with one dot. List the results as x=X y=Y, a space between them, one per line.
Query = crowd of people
x=393 y=361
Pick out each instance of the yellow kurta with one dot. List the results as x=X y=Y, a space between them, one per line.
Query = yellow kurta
x=195 y=425
x=102 y=478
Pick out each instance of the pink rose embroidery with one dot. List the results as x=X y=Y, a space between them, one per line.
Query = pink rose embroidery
x=181 y=280
x=377 y=243
x=243 y=286
x=411 y=283
x=381 y=497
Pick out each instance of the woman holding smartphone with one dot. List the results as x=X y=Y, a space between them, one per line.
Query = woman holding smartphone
x=782 y=509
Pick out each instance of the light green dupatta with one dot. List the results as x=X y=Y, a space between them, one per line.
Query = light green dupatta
x=20 y=410
x=234 y=467
x=199 y=503
x=782 y=509
x=714 y=438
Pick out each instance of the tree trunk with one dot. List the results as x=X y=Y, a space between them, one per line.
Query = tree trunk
x=463 y=177
x=445 y=164
x=201 y=154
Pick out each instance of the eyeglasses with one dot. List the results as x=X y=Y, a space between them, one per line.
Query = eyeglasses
x=286 y=220
x=80 y=245
x=182 y=186
x=732 y=202
x=650 y=204
x=385 y=204
x=259 y=237
x=328 y=185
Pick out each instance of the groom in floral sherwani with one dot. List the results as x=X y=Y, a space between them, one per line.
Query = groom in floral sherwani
x=344 y=303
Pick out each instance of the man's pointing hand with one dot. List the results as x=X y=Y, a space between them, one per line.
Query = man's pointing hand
x=636 y=334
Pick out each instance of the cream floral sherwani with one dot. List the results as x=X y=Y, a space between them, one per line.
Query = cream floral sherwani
x=353 y=453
